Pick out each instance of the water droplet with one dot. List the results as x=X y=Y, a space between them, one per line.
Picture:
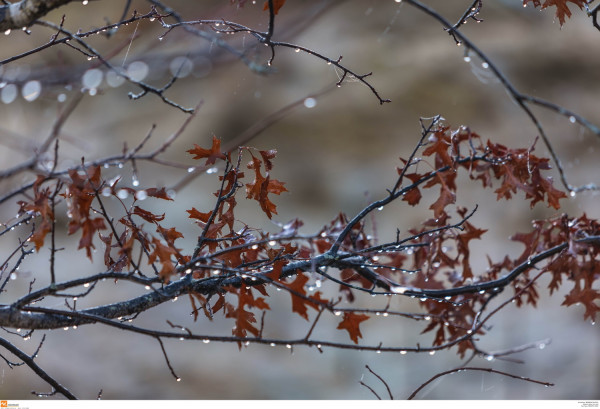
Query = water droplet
x=380 y=208
x=398 y=289
x=92 y=78
x=113 y=79
x=212 y=170
x=542 y=346
x=86 y=285
x=427 y=318
x=572 y=193
x=9 y=93
x=489 y=358
x=337 y=313
x=122 y=194
x=288 y=346
x=178 y=379
x=572 y=119
x=66 y=328
x=7 y=32
x=191 y=169
x=148 y=287
x=310 y=102
x=141 y=195
x=431 y=352
x=398 y=1
x=84 y=2
x=272 y=243
x=137 y=70
x=485 y=65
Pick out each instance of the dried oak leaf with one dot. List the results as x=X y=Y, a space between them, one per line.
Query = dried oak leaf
x=211 y=154
x=158 y=193
x=300 y=300
x=585 y=296
x=351 y=323
x=562 y=8
x=148 y=216
x=262 y=186
x=244 y=319
x=277 y=4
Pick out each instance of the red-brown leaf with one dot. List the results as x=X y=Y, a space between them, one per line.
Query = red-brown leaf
x=562 y=8
x=277 y=4
x=211 y=154
x=351 y=323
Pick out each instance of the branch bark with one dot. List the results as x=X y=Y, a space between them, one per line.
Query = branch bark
x=25 y=12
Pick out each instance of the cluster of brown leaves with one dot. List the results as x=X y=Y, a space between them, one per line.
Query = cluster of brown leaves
x=435 y=255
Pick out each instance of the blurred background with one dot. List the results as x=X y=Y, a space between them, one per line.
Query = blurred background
x=336 y=152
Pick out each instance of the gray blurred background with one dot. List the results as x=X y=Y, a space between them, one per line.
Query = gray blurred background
x=335 y=156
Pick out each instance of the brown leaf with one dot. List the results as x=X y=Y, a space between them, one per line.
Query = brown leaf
x=562 y=9
x=211 y=154
x=277 y=4
x=351 y=323
x=148 y=216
